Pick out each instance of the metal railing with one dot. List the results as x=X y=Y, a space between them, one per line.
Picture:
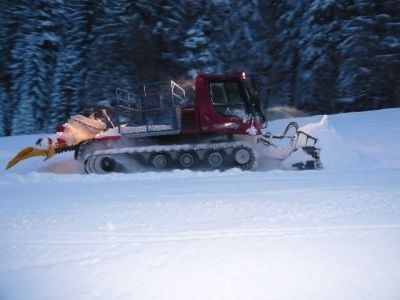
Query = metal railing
x=149 y=108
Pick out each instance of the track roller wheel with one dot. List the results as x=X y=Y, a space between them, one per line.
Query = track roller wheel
x=186 y=160
x=107 y=164
x=100 y=165
x=160 y=160
x=244 y=158
x=215 y=159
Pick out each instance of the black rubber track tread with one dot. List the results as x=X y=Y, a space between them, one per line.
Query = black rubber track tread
x=229 y=161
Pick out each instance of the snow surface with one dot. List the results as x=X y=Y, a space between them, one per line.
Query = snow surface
x=266 y=234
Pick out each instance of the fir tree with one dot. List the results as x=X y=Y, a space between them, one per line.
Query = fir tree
x=318 y=67
x=9 y=24
x=197 y=42
x=73 y=62
x=369 y=52
x=34 y=56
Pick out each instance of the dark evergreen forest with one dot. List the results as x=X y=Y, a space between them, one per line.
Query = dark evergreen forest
x=60 y=57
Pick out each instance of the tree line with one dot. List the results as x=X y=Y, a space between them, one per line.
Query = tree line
x=58 y=57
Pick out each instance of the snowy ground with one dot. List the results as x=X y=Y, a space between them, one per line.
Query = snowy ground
x=328 y=234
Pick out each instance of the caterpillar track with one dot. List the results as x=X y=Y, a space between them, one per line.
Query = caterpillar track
x=188 y=156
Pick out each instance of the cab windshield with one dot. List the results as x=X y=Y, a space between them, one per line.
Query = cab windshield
x=252 y=88
x=234 y=98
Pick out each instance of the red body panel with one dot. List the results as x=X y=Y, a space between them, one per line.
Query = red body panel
x=207 y=120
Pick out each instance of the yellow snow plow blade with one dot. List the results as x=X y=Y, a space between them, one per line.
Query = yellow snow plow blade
x=31 y=152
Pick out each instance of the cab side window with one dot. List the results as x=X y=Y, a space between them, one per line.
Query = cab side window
x=218 y=94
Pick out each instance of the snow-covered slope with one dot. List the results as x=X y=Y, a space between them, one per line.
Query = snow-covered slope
x=328 y=234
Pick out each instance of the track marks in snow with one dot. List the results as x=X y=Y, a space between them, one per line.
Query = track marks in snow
x=114 y=238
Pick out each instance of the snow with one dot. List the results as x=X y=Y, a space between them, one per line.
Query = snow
x=265 y=234
x=146 y=128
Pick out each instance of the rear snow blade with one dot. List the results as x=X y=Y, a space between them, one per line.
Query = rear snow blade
x=31 y=152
